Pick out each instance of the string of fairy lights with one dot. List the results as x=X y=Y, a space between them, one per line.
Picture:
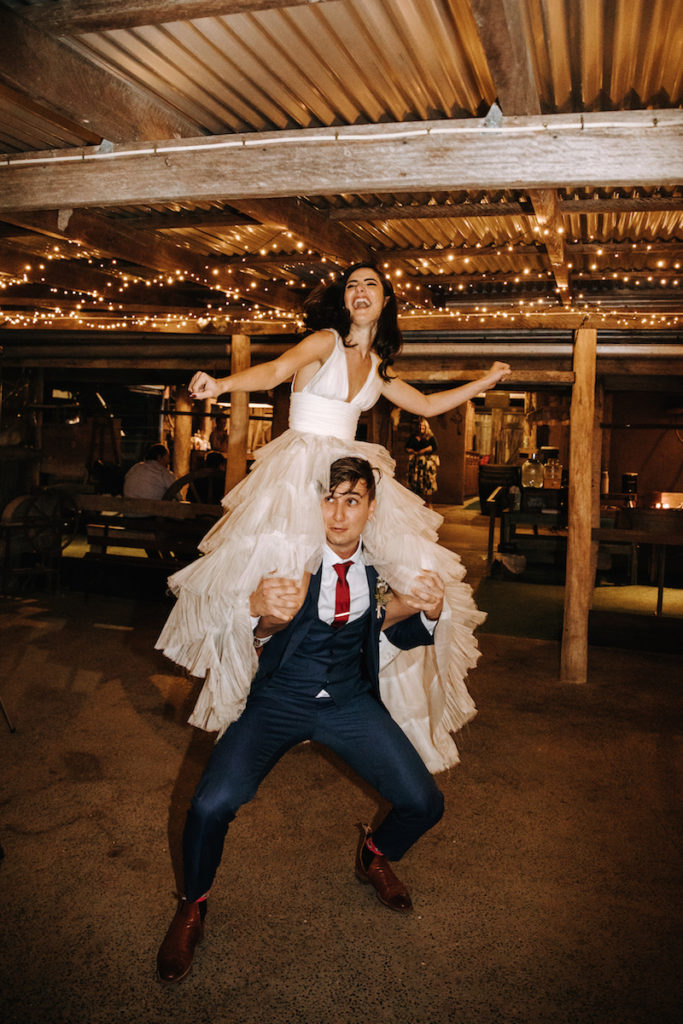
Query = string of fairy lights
x=486 y=296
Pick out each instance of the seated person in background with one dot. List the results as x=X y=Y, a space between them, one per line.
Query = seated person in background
x=218 y=438
x=150 y=478
x=211 y=487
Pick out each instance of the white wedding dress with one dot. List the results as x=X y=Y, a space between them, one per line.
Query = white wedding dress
x=273 y=525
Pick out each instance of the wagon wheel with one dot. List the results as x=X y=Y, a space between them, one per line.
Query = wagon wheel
x=209 y=492
x=49 y=519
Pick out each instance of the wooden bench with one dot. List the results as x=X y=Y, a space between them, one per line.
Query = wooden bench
x=167 y=531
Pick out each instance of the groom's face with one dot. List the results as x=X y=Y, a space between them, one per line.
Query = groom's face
x=346 y=510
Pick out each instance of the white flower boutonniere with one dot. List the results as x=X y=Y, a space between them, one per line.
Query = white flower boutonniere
x=382 y=595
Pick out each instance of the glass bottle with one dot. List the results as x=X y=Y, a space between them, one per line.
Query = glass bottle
x=532 y=472
x=552 y=473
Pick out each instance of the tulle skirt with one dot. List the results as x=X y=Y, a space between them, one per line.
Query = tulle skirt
x=273 y=525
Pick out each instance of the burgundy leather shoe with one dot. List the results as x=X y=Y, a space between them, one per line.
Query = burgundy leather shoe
x=390 y=890
x=174 y=958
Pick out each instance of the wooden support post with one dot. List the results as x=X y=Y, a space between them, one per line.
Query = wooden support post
x=182 y=434
x=579 y=581
x=381 y=426
x=36 y=397
x=207 y=422
x=240 y=358
x=457 y=454
x=598 y=417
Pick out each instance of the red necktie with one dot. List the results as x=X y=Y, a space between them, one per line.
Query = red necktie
x=342 y=598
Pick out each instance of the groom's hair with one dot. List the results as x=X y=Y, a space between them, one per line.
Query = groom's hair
x=351 y=469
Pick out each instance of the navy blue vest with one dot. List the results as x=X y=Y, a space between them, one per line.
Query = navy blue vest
x=327 y=658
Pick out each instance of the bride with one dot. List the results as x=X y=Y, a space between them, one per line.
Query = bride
x=273 y=524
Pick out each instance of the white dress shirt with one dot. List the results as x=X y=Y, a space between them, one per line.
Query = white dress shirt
x=359 y=590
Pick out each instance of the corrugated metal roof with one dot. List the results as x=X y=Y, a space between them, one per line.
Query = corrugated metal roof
x=368 y=61
x=353 y=62
x=336 y=63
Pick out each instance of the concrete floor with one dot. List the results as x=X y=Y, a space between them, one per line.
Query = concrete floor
x=548 y=893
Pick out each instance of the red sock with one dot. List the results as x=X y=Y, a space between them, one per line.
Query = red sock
x=372 y=848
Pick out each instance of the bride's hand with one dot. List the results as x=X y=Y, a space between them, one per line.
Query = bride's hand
x=497 y=372
x=203 y=385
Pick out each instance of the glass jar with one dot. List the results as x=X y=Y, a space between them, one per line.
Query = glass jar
x=552 y=473
x=532 y=472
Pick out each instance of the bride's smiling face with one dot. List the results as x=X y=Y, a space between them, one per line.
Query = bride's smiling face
x=364 y=296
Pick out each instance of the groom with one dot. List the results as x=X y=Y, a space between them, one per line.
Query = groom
x=318 y=679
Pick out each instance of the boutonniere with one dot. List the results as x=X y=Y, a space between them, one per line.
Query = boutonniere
x=382 y=595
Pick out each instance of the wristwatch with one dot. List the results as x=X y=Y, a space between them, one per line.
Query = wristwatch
x=260 y=641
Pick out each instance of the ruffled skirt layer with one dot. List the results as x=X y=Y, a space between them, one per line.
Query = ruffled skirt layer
x=273 y=525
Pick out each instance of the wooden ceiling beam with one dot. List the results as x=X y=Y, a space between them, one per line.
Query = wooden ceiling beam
x=134 y=294
x=105 y=236
x=72 y=275
x=623 y=204
x=551 y=234
x=504 y=38
x=280 y=259
x=427 y=211
x=552 y=319
x=28 y=107
x=475 y=211
x=619 y=149
x=504 y=34
x=673 y=250
x=54 y=76
x=180 y=219
x=308 y=224
x=69 y=17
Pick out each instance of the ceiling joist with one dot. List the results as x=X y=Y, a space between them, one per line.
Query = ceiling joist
x=104 y=236
x=599 y=150
x=73 y=16
x=51 y=73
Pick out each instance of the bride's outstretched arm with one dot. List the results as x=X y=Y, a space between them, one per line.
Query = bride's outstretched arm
x=409 y=398
x=313 y=349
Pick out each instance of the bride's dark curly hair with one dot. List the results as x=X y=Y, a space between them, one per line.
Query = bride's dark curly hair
x=325 y=308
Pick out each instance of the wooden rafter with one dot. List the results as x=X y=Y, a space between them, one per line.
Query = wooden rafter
x=672 y=249
x=72 y=16
x=484 y=210
x=308 y=224
x=505 y=37
x=181 y=219
x=52 y=74
x=73 y=275
x=103 y=235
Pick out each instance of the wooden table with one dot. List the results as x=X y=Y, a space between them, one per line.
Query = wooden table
x=660 y=541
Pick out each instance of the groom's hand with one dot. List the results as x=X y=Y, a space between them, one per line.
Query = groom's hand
x=276 y=601
x=427 y=594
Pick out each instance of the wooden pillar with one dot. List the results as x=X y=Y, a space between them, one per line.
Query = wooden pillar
x=580 y=562
x=36 y=398
x=207 y=422
x=496 y=431
x=240 y=358
x=606 y=436
x=457 y=453
x=182 y=434
x=598 y=417
x=381 y=425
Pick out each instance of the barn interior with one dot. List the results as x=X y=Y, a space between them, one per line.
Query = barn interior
x=176 y=178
